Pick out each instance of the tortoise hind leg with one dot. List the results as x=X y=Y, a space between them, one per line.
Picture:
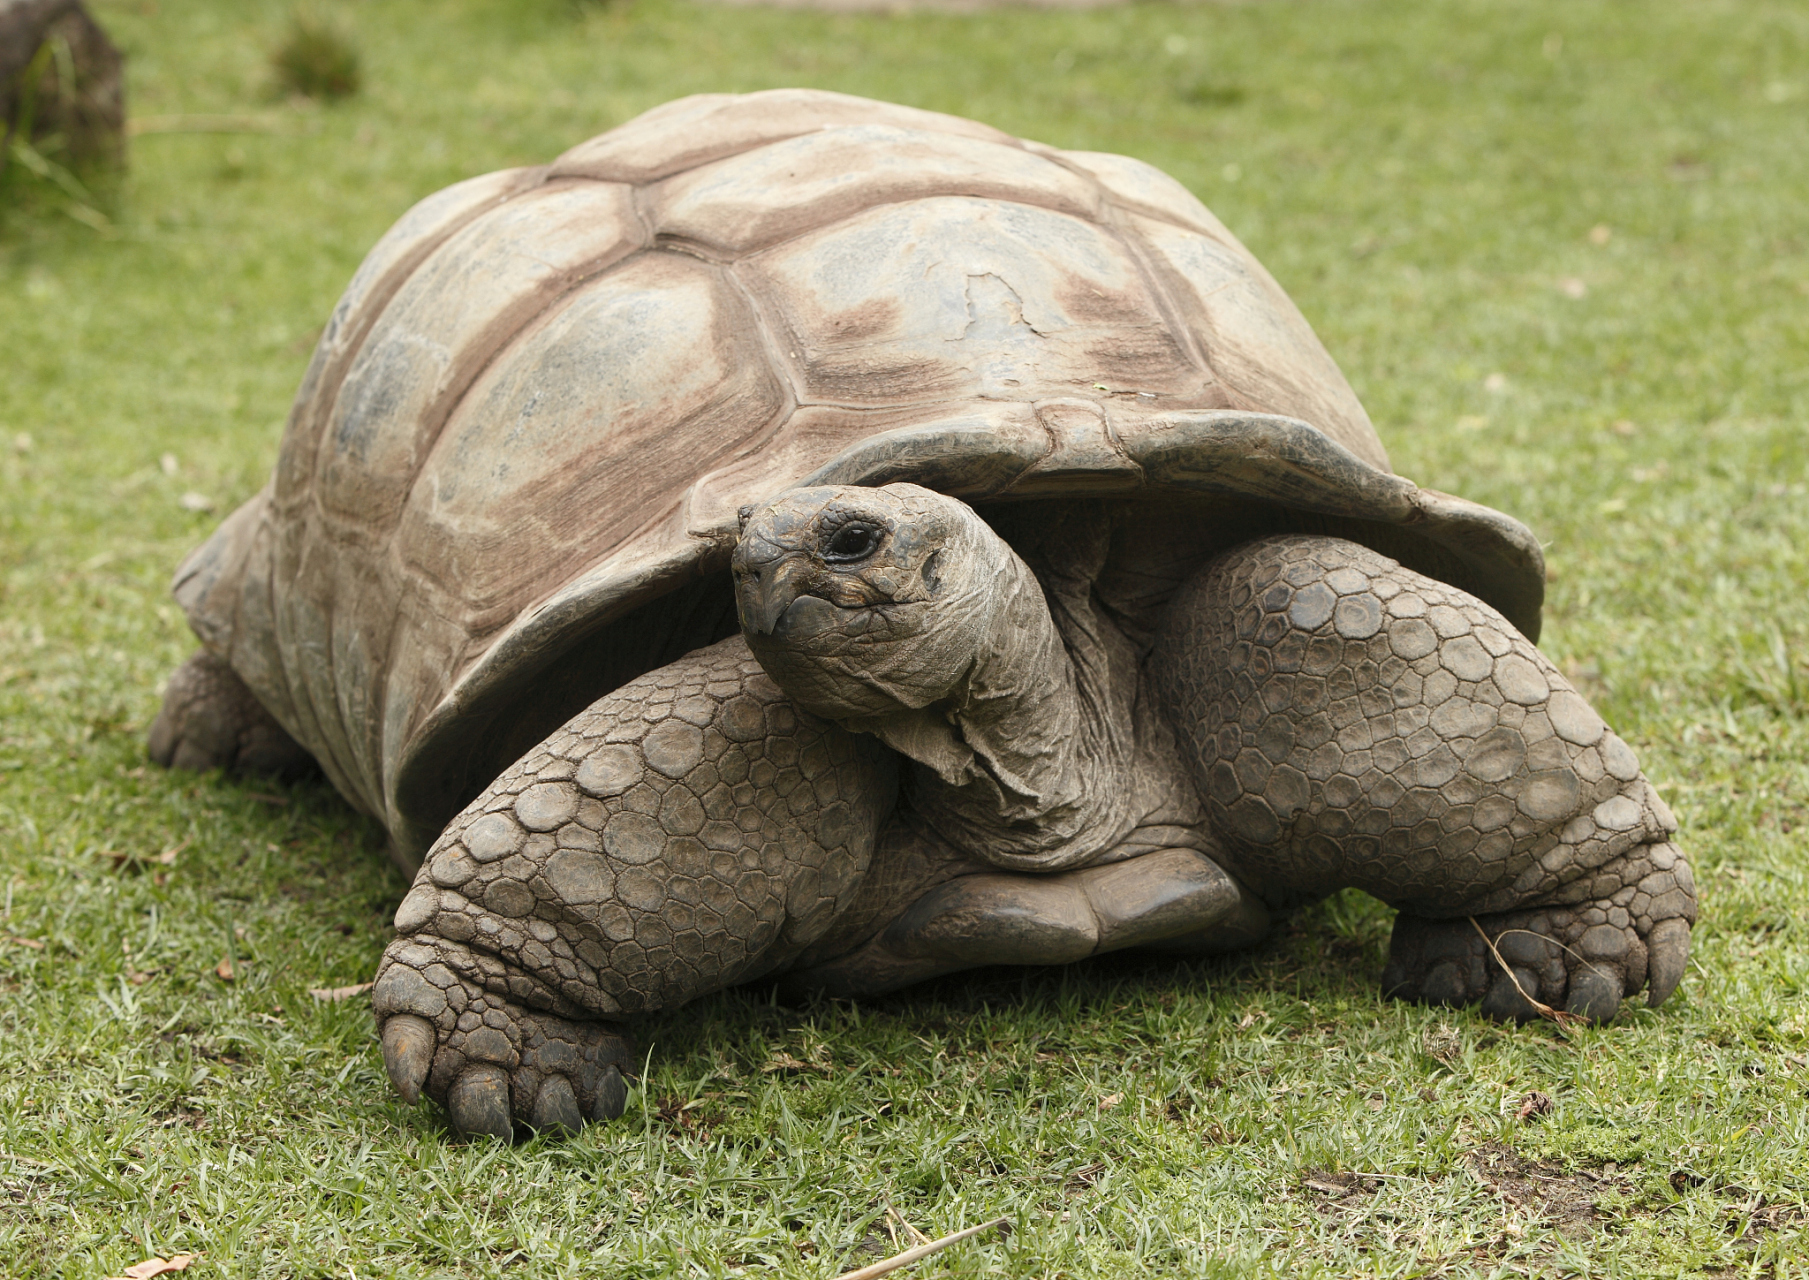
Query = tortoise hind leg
x=684 y=833
x=211 y=720
x=1353 y=723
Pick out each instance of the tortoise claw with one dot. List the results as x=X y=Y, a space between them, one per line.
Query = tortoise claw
x=479 y=1102
x=408 y=1045
x=1595 y=993
x=1668 y=948
x=556 y=1107
x=1511 y=998
x=612 y=1096
x=492 y=1063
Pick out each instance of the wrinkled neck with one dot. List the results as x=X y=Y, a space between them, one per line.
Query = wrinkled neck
x=1023 y=764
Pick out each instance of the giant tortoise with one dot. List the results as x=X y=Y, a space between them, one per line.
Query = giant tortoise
x=804 y=538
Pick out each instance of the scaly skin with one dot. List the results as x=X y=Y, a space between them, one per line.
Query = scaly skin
x=210 y=720
x=1351 y=722
x=686 y=832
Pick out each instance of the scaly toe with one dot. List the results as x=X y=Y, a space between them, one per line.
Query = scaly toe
x=612 y=1096
x=1446 y=984
x=1511 y=998
x=1668 y=948
x=556 y=1107
x=1595 y=993
x=479 y=1102
x=408 y=1044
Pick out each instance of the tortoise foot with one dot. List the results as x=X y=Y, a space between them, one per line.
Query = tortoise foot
x=493 y=1063
x=211 y=720
x=1583 y=958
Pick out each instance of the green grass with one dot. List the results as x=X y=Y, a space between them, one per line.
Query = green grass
x=1424 y=180
x=316 y=58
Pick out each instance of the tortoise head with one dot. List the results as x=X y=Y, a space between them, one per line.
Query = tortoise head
x=863 y=602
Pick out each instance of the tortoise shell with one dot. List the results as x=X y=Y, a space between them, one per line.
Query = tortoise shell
x=511 y=475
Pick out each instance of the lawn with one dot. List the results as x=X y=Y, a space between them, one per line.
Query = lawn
x=1560 y=250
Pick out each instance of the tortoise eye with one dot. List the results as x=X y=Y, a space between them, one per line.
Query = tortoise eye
x=852 y=542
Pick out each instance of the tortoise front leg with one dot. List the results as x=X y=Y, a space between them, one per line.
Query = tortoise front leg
x=1353 y=723
x=686 y=832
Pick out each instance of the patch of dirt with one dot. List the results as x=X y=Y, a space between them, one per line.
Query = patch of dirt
x=184 y=1117
x=1567 y=1200
x=695 y=1118
x=1334 y=1187
x=1748 y=1221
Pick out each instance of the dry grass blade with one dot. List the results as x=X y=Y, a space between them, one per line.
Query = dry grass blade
x=900 y=1260
x=912 y=1233
x=333 y=994
x=151 y=1267
x=785 y=1063
x=1563 y=1017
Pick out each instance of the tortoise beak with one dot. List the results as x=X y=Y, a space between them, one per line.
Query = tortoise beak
x=765 y=589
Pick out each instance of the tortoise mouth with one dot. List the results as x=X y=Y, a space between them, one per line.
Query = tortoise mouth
x=767 y=589
x=806 y=618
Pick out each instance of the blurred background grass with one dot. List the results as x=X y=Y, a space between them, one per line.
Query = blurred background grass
x=1560 y=251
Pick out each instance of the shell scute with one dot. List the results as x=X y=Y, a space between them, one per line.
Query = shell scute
x=592 y=421
x=464 y=302
x=768 y=195
x=1143 y=188
x=1259 y=345
x=691 y=131
x=956 y=296
x=384 y=270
